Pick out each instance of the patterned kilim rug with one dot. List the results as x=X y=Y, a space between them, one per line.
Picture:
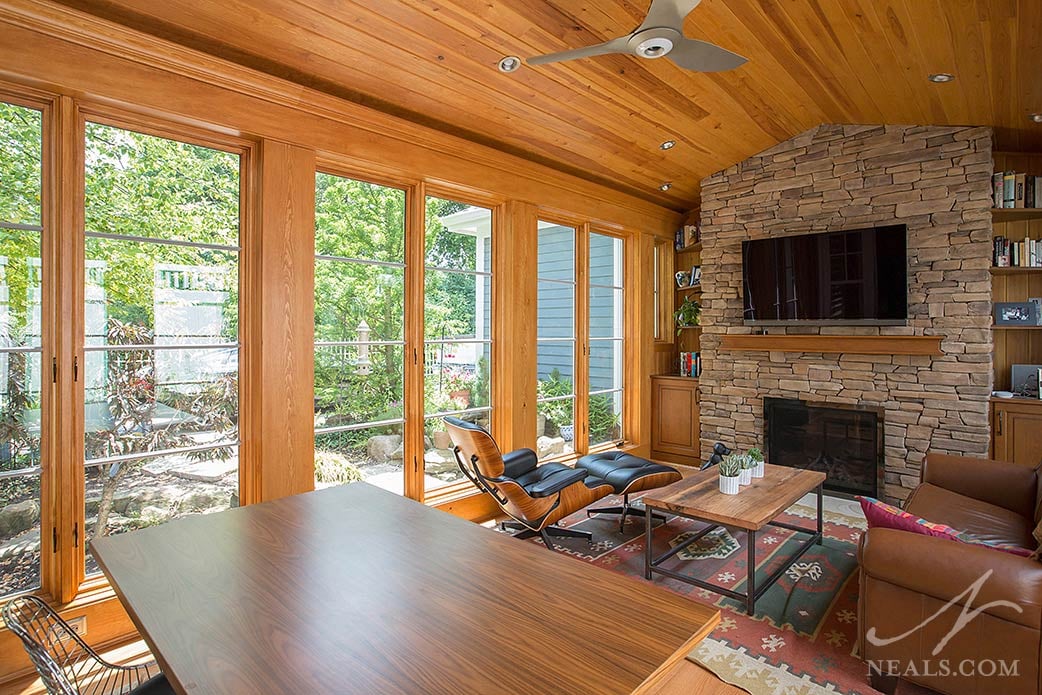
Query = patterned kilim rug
x=802 y=637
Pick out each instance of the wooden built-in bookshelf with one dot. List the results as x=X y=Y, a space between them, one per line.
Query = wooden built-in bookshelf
x=1016 y=344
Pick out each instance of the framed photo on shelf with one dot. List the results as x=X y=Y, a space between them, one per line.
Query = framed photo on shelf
x=1016 y=314
x=695 y=279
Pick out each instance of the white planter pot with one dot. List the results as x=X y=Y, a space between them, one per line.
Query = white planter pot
x=729 y=486
x=746 y=476
x=758 y=471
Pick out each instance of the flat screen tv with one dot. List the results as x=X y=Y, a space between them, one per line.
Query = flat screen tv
x=855 y=277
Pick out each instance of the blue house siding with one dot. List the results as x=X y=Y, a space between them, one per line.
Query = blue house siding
x=556 y=318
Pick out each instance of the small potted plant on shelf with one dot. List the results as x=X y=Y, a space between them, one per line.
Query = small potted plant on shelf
x=687 y=314
x=757 y=456
x=730 y=471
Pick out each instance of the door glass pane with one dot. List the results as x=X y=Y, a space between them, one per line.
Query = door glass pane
x=457 y=327
x=357 y=219
x=19 y=472
x=358 y=301
x=357 y=384
x=359 y=332
x=21 y=159
x=555 y=344
x=21 y=147
x=373 y=454
x=605 y=417
x=146 y=186
x=161 y=325
x=607 y=357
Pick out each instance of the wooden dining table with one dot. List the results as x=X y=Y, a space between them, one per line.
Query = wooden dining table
x=353 y=589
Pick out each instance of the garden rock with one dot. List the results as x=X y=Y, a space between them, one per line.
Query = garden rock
x=18 y=517
x=540 y=424
x=398 y=454
x=439 y=461
x=207 y=471
x=549 y=446
x=382 y=446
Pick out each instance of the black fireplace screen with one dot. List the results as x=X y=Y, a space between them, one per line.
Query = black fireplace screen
x=844 y=442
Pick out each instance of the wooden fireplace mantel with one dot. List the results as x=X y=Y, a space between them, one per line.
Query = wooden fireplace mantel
x=929 y=345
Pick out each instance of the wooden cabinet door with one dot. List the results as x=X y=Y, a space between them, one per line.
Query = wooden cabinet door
x=1018 y=432
x=674 y=413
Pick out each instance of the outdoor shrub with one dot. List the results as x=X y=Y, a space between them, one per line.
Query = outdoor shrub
x=331 y=467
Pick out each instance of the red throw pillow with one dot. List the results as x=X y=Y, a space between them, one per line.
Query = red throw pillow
x=883 y=515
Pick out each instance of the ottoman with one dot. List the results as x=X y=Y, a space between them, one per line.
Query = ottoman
x=626 y=474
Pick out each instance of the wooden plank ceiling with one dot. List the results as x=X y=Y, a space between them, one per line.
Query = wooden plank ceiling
x=810 y=62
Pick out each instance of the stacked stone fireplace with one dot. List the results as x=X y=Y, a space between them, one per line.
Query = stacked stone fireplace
x=935 y=180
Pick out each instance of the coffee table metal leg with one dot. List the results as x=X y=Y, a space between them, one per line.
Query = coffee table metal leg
x=821 y=522
x=647 y=543
x=750 y=570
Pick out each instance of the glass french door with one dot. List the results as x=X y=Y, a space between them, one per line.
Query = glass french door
x=21 y=356
x=160 y=330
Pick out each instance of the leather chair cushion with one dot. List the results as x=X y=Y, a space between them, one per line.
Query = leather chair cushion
x=627 y=473
x=986 y=521
x=550 y=478
x=517 y=463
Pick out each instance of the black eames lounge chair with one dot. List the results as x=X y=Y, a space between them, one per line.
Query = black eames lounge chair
x=535 y=496
x=66 y=664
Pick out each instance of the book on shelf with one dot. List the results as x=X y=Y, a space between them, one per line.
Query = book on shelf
x=1010 y=189
x=690 y=364
x=1007 y=253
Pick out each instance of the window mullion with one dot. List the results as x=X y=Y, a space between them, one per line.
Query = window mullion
x=582 y=334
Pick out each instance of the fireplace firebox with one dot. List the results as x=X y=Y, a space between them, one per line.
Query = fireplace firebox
x=845 y=442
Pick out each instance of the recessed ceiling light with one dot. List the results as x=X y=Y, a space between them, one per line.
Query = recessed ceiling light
x=509 y=63
x=668 y=145
x=1036 y=117
x=666 y=186
x=941 y=77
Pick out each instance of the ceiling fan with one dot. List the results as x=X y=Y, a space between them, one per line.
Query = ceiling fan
x=660 y=35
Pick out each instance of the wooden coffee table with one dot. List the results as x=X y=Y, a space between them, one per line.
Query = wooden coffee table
x=698 y=497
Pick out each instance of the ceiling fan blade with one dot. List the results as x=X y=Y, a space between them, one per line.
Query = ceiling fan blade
x=618 y=45
x=692 y=54
x=668 y=13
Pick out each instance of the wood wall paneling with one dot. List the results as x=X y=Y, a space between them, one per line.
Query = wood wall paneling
x=515 y=296
x=280 y=329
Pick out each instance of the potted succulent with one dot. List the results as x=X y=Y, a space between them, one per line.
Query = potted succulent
x=757 y=456
x=687 y=314
x=745 y=477
x=730 y=470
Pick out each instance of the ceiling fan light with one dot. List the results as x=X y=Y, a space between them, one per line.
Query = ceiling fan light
x=509 y=63
x=655 y=47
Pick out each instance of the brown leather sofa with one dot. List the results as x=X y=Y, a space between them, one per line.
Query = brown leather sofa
x=907 y=578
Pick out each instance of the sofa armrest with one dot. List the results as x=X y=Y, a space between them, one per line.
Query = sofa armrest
x=1011 y=486
x=946 y=569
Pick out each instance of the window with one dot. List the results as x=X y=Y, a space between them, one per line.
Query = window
x=575 y=414
x=555 y=340
x=457 y=317
x=606 y=359
x=359 y=333
x=160 y=329
x=21 y=274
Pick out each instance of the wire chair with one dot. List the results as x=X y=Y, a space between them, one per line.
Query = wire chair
x=66 y=664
